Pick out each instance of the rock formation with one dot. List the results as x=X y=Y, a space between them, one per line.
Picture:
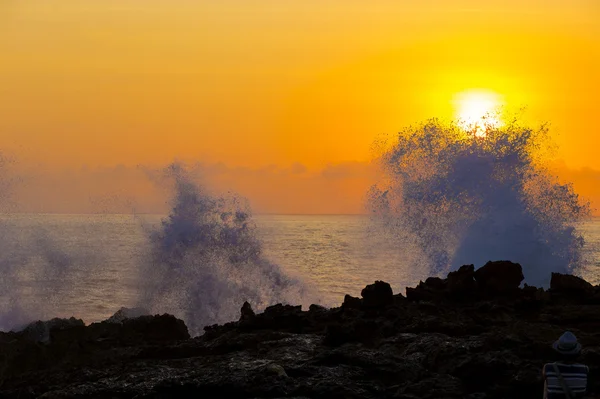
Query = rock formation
x=474 y=334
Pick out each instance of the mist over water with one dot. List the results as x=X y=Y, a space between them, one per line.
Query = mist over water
x=200 y=264
x=32 y=264
x=449 y=198
x=463 y=198
x=206 y=260
x=35 y=272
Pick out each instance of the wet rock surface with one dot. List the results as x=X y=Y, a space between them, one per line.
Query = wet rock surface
x=475 y=334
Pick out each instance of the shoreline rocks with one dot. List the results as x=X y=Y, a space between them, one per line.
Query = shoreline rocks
x=474 y=334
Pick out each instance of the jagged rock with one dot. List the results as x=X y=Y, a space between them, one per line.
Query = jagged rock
x=280 y=317
x=468 y=284
x=399 y=299
x=156 y=328
x=435 y=283
x=141 y=329
x=40 y=331
x=499 y=278
x=569 y=284
x=457 y=340
x=460 y=284
x=280 y=309
x=532 y=299
x=276 y=369
x=351 y=302
x=247 y=312
x=126 y=313
x=316 y=308
x=377 y=295
x=433 y=288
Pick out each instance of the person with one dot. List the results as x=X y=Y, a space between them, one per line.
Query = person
x=565 y=378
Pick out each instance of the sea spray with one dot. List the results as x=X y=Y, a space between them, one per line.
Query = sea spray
x=465 y=198
x=206 y=260
x=37 y=270
x=36 y=274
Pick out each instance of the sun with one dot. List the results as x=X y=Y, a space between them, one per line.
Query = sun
x=476 y=110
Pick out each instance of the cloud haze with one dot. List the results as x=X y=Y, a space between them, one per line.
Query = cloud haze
x=338 y=188
x=335 y=189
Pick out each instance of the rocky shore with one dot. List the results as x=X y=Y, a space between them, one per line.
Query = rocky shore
x=475 y=334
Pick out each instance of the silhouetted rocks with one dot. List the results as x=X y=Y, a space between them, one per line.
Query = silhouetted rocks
x=499 y=278
x=377 y=295
x=432 y=289
x=494 y=279
x=474 y=334
x=461 y=283
x=126 y=313
x=571 y=285
x=41 y=330
x=351 y=302
x=247 y=312
x=317 y=308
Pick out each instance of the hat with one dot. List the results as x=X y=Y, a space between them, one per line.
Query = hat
x=567 y=344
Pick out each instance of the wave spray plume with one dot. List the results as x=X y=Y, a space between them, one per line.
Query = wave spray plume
x=206 y=260
x=465 y=198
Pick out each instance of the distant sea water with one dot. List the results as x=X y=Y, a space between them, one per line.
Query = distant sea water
x=87 y=266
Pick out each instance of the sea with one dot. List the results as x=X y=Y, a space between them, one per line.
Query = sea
x=88 y=266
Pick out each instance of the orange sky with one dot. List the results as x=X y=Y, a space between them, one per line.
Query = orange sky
x=258 y=83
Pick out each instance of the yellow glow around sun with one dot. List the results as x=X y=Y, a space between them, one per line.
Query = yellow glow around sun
x=476 y=110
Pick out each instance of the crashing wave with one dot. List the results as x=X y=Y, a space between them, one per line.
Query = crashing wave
x=462 y=198
x=206 y=260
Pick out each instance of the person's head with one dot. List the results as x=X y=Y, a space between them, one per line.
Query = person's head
x=567 y=346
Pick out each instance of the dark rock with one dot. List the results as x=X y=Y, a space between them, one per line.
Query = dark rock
x=460 y=284
x=366 y=331
x=532 y=299
x=141 y=329
x=435 y=283
x=437 y=386
x=377 y=295
x=41 y=331
x=281 y=309
x=156 y=328
x=571 y=285
x=247 y=312
x=465 y=336
x=316 y=308
x=399 y=299
x=499 y=278
x=281 y=318
x=126 y=313
x=275 y=369
x=337 y=335
x=351 y=302
x=432 y=289
x=476 y=395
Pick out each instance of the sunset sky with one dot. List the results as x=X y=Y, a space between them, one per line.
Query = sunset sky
x=285 y=91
